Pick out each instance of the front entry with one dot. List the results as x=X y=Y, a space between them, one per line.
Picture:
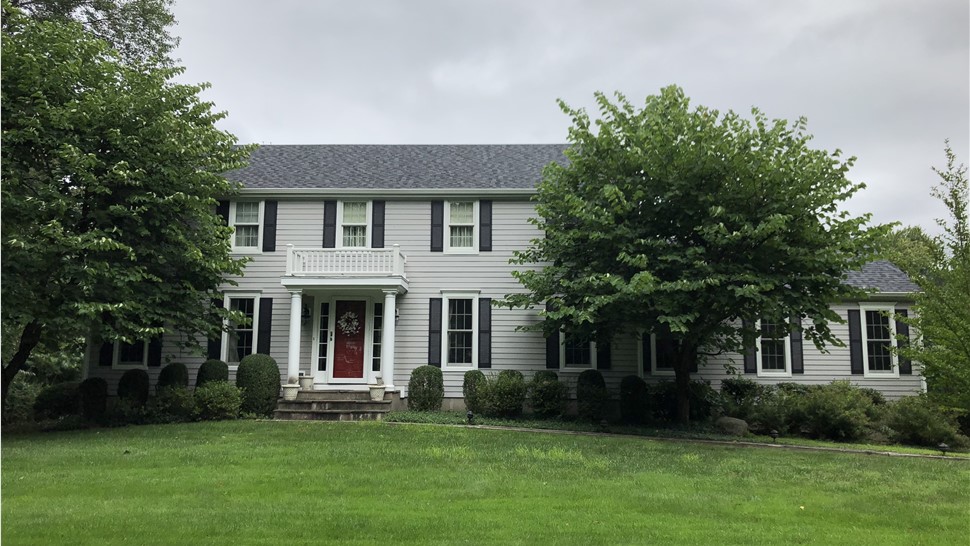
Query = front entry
x=349 y=340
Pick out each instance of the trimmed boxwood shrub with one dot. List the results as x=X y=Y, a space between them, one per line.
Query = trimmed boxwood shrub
x=212 y=370
x=173 y=375
x=547 y=394
x=740 y=395
x=58 y=400
x=19 y=405
x=258 y=376
x=426 y=389
x=172 y=404
x=94 y=398
x=470 y=390
x=217 y=400
x=663 y=400
x=633 y=399
x=591 y=395
x=133 y=386
x=839 y=411
x=916 y=420
x=504 y=395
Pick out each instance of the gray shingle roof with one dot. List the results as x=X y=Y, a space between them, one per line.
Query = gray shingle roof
x=883 y=276
x=408 y=166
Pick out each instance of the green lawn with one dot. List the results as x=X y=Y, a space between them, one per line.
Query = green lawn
x=250 y=482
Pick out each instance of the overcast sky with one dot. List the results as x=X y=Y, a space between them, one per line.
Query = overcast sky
x=884 y=80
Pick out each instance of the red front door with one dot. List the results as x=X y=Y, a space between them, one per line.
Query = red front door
x=348 y=343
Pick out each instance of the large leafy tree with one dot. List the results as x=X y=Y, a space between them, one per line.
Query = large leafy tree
x=912 y=249
x=110 y=179
x=942 y=317
x=684 y=218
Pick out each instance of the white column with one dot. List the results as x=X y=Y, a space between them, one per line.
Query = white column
x=293 y=357
x=387 y=339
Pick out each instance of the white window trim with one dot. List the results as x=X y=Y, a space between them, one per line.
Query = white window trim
x=772 y=373
x=368 y=236
x=475 y=229
x=446 y=296
x=116 y=354
x=259 y=231
x=889 y=308
x=562 y=356
x=224 y=353
x=653 y=358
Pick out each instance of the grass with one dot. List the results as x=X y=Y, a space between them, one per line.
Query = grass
x=692 y=432
x=252 y=482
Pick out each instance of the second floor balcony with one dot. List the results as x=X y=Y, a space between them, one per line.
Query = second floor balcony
x=345 y=262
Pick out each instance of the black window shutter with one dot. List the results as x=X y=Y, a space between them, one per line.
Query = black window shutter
x=693 y=364
x=647 y=353
x=214 y=350
x=485 y=226
x=434 y=333
x=797 y=354
x=902 y=330
x=377 y=234
x=855 y=342
x=485 y=332
x=222 y=209
x=269 y=226
x=265 y=325
x=155 y=352
x=751 y=352
x=329 y=224
x=552 y=346
x=106 y=354
x=437 y=226
x=604 y=356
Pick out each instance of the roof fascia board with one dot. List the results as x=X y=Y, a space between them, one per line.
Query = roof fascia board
x=403 y=193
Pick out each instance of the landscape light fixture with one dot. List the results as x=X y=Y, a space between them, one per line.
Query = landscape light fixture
x=774 y=435
x=470 y=416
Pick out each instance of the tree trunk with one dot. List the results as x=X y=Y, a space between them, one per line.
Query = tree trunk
x=682 y=375
x=29 y=339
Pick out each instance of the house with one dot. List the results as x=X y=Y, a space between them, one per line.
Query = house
x=369 y=261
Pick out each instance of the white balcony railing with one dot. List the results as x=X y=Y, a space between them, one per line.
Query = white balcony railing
x=345 y=262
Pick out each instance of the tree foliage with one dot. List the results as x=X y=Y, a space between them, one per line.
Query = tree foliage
x=942 y=317
x=912 y=250
x=110 y=179
x=136 y=29
x=693 y=220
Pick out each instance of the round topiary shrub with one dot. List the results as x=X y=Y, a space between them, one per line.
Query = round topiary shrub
x=217 y=400
x=591 y=395
x=504 y=395
x=547 y=394
x=470 y=389
x=58 y=400
x=173 y=375
x=212 y=370
x=258 y=376
x=426 y=389
x=633 y=399
x=133 y=387
x=94 y=398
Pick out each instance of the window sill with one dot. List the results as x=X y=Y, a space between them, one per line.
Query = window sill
x=461 y=251
x=786 y=373
x=246 y=251
x=565 y=369
x=129 y=367
x=881 y=375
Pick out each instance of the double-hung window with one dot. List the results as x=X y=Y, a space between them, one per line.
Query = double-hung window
x=576 y=354
x=774 y=346
x=662 y=353
x=460 y=339
x=240 y=340
x=878 y=341
x=354 y=220
x=130 y=355
x=461 y=219
x=246 y=218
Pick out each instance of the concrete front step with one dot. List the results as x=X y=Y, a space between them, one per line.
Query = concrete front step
x=328 y=415
x=334 y=395
x=342 y=405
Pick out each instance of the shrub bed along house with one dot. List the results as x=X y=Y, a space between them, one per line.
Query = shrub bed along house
x=471 y=390
x=217 y=400
x=58 y=400
x=591 y=395
x=172 y=404
x=426 y=389
x=258 y=376
x=173 y=375
x=663 y=400
x=503 y=395
x=133 y=387
x=547 y=394
x=94 y=398
x=633 y=399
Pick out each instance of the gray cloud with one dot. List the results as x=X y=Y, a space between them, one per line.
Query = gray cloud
x=885 y=81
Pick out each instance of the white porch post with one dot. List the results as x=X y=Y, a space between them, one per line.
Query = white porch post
x=387 y=339
x=293 y=357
